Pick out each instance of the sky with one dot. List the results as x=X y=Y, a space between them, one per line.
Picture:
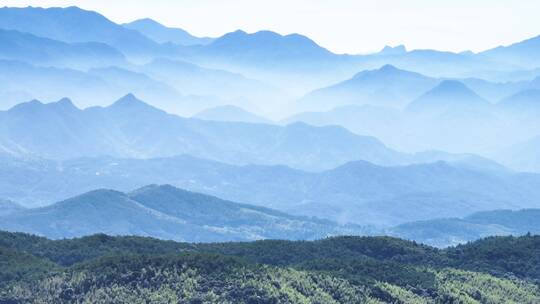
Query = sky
x=342 y=26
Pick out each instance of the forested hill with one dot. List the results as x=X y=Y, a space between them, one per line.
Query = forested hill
x=100 y=269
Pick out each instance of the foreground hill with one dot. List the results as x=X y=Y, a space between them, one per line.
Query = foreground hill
x=453 y=231
x=168 y=213
x=336 y=270
x=132 y=128
x=356 y=192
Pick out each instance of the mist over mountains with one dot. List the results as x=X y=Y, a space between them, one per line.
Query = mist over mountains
x=296 y=141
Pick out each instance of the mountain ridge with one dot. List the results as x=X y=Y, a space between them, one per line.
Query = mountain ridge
x=165 y=212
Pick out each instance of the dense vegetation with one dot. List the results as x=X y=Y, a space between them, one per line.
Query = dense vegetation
x=104 y=269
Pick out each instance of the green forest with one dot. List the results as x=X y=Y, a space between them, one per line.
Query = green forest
x=106 y=269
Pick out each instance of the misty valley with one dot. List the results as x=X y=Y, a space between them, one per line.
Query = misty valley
x=140 y=163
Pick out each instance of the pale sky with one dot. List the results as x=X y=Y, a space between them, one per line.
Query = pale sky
x=343 y=26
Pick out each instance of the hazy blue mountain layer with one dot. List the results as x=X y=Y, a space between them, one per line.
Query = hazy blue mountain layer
x=230 y=113
x=132 y=128
x=452 y=231
x=357 y=192
x=168 y=213
x=162 y=34
x=26 y=47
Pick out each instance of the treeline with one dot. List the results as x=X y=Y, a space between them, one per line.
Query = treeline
x=105 y=269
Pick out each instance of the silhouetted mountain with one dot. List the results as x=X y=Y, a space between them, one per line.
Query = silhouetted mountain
x=453 y=231
x=15 y=45
x=434 y=63
x=449 y=96
x=168 y=213
x=357 y=192
x=97 y=86
x=162 y=34
x=73 y=24
x=158 y=93
x=387 y=86
x=230 y=113
x=265 y=47
x=524 y=53
x=135 y=129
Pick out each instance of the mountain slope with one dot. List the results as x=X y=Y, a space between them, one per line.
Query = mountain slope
x=21 y=46
x=162 y=34
x=524 y=53
x=73 y=24
x=447 y=97
x=265 y=47
x=230 y=113
x=168 y=213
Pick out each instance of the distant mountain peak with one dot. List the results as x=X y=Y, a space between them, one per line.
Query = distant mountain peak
x=389 y=50
x=451 y=85
x=268 y=42
x=129 y=100
x=131 y=104
x=146 y=21
x=163 y=34
x=446 y=95
x=388 y=68
x=66 y=103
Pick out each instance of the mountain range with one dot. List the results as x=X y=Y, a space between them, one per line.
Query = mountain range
x=166 y=212
x=421 y=144
x=132 y=128
x=357 y=192
x=75 y=25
